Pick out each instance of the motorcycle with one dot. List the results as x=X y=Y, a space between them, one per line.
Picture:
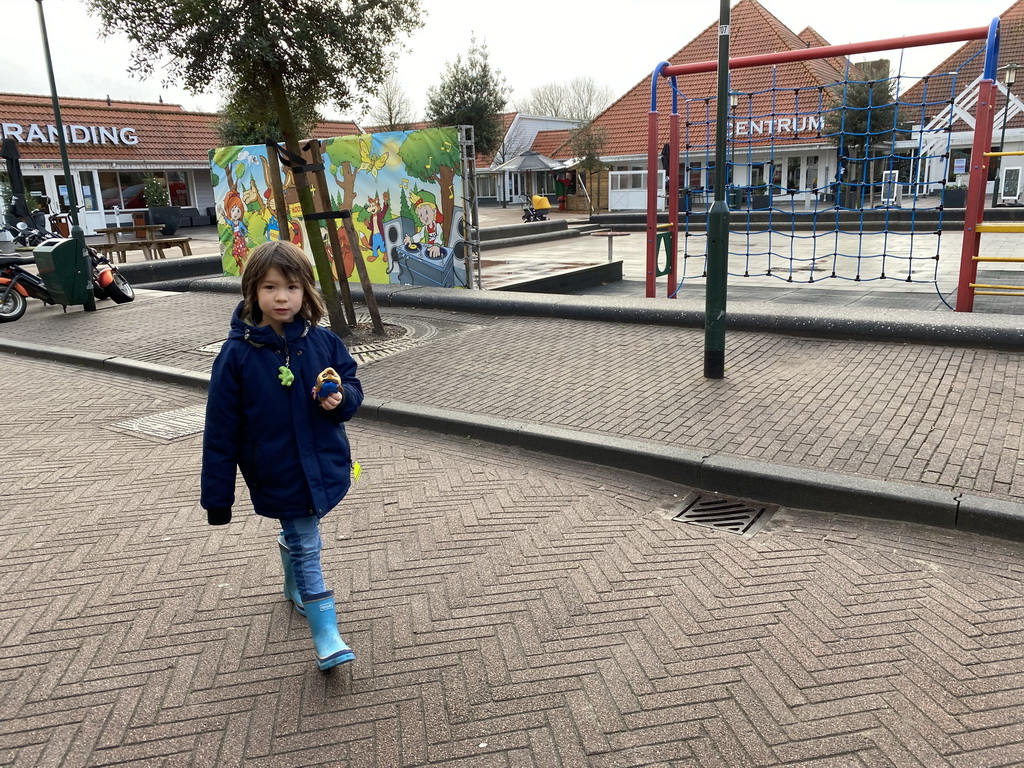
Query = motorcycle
x=24 y=235
x=18 y=284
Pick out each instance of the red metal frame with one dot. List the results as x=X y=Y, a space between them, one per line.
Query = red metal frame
x=982 y=138
x=974 y=212
x=830 y=51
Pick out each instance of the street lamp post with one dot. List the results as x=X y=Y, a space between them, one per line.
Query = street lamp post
x=77 y=233
x=1008 y=80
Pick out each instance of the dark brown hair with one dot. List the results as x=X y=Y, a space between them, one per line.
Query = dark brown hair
x=292 y=262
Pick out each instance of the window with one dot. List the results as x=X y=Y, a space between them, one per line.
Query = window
x=177 y=184
x=959 y=161
x=131 y=189
x=124 y=189
x=694 y=176
x=812 y=172
x=793 y=173
x=487 y=185
x=88 y=191
x=757 y=178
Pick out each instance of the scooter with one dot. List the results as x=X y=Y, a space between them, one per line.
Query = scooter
x=17 y=284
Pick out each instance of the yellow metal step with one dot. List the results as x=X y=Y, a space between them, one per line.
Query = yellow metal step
x=1005 y=226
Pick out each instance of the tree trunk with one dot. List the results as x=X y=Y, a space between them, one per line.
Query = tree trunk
x=447 y=199
x=335 y=313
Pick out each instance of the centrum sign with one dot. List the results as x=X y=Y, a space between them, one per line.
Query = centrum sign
x=73 y=134
x=780 y=125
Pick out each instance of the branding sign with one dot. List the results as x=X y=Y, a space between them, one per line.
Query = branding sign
x=73 y=134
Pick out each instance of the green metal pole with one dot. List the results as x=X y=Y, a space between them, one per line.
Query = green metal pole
x=77 y=233
x=718 y=220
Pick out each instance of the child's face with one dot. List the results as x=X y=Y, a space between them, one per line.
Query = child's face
x=236 y=212
x=279 y=298
x=426 y=214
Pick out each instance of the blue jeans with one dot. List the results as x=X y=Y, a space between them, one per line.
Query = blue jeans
x=302 y=537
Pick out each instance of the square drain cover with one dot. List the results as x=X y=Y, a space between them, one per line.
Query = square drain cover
x=723 y=513
x=169 y=425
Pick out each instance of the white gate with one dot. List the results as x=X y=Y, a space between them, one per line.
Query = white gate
x=627 y=191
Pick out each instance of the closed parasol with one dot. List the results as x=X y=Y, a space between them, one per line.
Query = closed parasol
x=9 y=151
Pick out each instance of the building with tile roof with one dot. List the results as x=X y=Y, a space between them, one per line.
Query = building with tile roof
x=776 y=108
x=776 y=115
x=112 y=145
x=519 y=135
x=950 y=93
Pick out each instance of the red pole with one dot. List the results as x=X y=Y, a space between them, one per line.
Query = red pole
x=975 y=210
x=830 y=51
x=652 y=201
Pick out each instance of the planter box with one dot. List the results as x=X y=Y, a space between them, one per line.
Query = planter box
x=954 y=198
x=169 y=216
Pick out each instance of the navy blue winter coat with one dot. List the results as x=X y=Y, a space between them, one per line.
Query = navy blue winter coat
x=294 y=455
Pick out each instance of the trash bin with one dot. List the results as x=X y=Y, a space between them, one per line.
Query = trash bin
x=140 y=219
x=62 y=266
x=61 y=224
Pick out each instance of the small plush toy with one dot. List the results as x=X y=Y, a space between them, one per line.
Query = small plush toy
x=327 y=383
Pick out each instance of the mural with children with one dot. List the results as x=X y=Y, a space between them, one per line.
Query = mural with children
x=404 y=189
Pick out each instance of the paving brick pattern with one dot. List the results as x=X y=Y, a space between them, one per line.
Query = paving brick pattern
x=940 y=416
x=912 y=413
x=508 y=609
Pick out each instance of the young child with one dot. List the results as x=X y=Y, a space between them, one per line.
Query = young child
x=265 y=416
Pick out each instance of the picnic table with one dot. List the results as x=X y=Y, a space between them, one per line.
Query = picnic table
x=610 y=237
x=152 y=247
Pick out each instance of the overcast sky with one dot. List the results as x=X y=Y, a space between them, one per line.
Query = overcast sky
x=530 y=43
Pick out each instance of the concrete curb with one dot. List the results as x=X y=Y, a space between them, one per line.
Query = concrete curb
x=906 y=326
x=730 y=475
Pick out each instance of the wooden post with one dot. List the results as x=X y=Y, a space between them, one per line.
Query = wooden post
x=364 y=278
x=314 y=238
x=311 y=150
x=284 y=226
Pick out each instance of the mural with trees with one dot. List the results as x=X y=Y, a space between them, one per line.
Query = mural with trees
x=404 y=189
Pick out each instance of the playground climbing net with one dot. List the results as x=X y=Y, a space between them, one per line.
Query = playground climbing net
x=855 y=180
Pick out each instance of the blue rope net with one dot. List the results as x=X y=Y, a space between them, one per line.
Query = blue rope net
x=877 y=216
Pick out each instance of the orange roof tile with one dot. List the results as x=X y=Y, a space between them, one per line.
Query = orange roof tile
x=168 y=136
x=551 y=142
x=753 y=31
x=939 y=87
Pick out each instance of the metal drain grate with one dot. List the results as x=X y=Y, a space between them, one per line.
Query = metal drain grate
x=169 y=425
x=723 y=513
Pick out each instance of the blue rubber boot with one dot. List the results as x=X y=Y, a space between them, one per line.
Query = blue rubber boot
x=331 y=650
x=290 y=590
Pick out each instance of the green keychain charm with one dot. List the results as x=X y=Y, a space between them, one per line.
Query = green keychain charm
x=286 y=376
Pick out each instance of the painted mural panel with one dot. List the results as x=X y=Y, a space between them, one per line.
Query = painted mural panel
x=245 y=210
x=404 y=189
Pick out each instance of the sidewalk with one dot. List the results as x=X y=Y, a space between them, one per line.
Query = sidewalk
x=515 y=607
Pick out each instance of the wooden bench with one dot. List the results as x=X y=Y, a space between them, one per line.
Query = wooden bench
x=163 y=243
x=151 y=249
x=120 y=250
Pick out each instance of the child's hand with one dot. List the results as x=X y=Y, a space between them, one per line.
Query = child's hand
x=331 y=402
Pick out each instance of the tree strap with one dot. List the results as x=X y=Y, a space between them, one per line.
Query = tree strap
x=296 y=162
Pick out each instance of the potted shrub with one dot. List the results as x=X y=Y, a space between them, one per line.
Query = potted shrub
x=954 y=196
x=159 y=203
